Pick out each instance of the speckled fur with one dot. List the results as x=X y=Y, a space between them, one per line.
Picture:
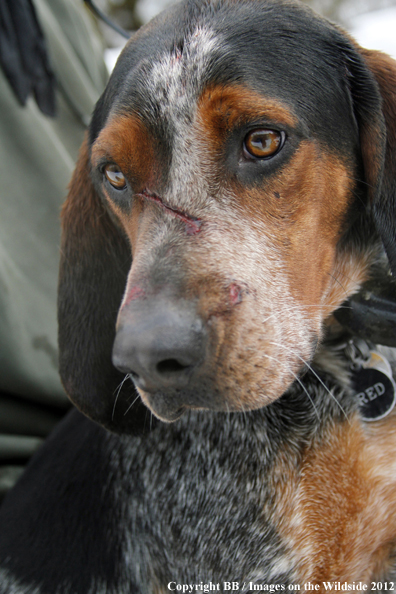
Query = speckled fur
x=268 y=474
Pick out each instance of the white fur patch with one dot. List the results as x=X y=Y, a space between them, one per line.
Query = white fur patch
x=173 y=79
x=174 y=86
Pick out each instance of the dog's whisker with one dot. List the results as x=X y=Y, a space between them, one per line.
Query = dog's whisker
x=360 y=181
x=340 y=284
x=308 y=394
x=301 y=384
x=131 y=405
x=315 y=374
x=117 y=395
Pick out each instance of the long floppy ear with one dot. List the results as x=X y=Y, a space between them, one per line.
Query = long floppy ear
x=375 y=109
x=384 y=70
x=95 y=260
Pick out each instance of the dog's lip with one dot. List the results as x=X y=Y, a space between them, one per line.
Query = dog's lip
x=168 y=416
x=157 y=404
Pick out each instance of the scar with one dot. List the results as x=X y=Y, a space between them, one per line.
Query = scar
x=134 y=293
x=235 y=294
x=193 y=224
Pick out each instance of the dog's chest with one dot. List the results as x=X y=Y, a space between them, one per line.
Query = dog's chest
x=249 y=504
x=201 y=506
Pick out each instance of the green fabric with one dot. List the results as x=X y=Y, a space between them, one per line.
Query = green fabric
x=37 y=156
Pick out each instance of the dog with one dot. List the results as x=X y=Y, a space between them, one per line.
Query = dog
x=236 y=186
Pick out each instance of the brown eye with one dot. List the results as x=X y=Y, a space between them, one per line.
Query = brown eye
x=115 y=177
x=263 y=143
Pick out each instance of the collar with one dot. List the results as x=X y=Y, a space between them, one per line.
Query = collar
x=371 y=377
x=370 y=314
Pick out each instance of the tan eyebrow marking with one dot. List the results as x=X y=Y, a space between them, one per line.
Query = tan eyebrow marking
x=127 y=141
x=220 y=108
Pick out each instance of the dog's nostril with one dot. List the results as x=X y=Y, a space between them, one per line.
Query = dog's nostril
x=170 y=366
x=162 y=344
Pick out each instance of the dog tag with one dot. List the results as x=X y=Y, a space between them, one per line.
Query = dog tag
x=375 y=387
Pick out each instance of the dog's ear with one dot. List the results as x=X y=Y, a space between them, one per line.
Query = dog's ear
x=374 y=96
x=95 y=260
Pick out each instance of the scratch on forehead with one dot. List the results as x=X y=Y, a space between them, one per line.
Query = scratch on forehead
x=175 y=78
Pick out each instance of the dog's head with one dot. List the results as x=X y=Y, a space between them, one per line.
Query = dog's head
x=236 y=181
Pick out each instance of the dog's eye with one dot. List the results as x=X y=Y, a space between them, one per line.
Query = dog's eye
x=262 y=144
x=114 y=176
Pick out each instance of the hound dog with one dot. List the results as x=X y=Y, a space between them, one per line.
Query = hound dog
x=235 y=187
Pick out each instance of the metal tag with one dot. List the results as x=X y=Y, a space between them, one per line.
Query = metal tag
x=375 y=387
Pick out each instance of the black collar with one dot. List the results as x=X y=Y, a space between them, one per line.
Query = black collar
x=370 y=314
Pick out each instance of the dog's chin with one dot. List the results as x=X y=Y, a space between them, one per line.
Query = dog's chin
x=169 y=408
x=167 y=415
x=162 y=407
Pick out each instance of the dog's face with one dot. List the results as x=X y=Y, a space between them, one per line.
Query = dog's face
x=227 y=163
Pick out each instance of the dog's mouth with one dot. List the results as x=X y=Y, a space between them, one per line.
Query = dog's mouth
x=166 y=409
x=185 y=354
x=169 y=407
x=214 y=391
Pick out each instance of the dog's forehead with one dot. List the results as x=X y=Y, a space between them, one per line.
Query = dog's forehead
x=178 y=70
x=174 y=81
x=280 y=50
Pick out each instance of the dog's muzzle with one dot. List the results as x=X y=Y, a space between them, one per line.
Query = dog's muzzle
x=161 y=343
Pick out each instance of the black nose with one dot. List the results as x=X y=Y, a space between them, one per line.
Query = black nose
x=160 y=343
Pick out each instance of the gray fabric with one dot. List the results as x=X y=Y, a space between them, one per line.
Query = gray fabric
x=37 y=156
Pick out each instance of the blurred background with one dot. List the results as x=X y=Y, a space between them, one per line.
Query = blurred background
x=371 y=22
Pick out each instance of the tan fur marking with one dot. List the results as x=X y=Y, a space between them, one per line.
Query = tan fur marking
x=349 y=272
x=126 y=141
x=338 y=511
x=320 y=188
x=222 y=108
x=303 y=209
